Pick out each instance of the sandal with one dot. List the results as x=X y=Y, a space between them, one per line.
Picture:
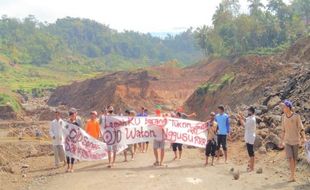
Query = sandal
x=156 y=164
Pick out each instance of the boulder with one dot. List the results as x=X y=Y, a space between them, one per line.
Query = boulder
x=262 y=125
x=261 y=109
x=273 y=101
x=307 y=130
x=277 y=131
x=236 y=175
x=262 y=150
x=263 y=133
x=258 y=119
x=277 y=110
x=7 y=113
x=258 y=142
x=272 y=142
x=276 y=119
x=259 y=171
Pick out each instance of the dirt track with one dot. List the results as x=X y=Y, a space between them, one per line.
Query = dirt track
x=189 y=173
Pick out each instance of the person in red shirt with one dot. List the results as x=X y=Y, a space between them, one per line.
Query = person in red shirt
x=92 y=125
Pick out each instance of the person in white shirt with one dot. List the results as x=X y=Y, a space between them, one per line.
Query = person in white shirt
x=57 y=134
x=249 y=124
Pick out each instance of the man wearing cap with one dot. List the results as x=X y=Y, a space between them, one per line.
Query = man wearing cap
x=92 y=126
x=211 y=135
x=112 y=148
x=75 y=120
x=249 y=123
x=57 y=134
x=293 y=133
x=78 y=119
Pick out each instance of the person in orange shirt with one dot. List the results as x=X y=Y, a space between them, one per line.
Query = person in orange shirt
x=92 y=125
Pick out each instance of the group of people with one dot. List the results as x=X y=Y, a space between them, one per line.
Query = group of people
x=217 y=131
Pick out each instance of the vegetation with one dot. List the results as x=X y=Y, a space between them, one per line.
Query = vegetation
x=264 y=30
x=212 y=87
x=74 y=40
x=36 y=55
x=7 y=100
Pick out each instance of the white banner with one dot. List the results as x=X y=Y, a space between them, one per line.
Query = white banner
x=119 y=131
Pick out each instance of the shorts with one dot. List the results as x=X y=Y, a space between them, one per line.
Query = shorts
x=177 y=146
x=211 y=148
x=129 y=148
x=221 y=140
x=250 y=148
x=291 y=151
x=159 y=144
x=112 y=147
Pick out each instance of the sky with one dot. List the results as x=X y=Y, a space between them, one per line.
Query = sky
x=154 y=16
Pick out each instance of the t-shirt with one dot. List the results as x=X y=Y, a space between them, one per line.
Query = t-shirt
x=212 y=130
x=57 y=131
x=292 y=128
x=93 y=128
x=250 y=129
x=223 y=123
x=142 y=114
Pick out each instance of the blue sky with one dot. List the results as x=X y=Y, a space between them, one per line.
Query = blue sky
x=139 y=15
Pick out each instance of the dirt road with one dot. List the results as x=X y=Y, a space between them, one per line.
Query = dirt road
x=188 y=173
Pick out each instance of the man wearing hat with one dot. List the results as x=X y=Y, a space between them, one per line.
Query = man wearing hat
x=112 y=148
x=249 y=123
x=92 y=126
x=293 y=133
x=73 y=111
x=57 y=134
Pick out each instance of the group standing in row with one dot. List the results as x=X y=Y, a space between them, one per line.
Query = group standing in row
x=217 y=131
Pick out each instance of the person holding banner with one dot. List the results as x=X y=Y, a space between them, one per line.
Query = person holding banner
x=178 y=146
x=293 y=133
x=73 y=119
x=222 y=120
x=92 y=125
x=57 y=134
x=130 y=146
x=112 y=148
x=109 y=128
x=211 y=134
x=144 y=145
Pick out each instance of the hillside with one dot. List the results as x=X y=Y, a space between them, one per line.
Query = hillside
x=166 y=85
x=258 y=80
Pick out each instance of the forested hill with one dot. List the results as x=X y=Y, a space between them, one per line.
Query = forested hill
x=68 y=40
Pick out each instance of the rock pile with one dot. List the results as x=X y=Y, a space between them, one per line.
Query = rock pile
x=269 y=112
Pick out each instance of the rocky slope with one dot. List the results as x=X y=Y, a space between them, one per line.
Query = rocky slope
x=260 y=81
x=263 y=82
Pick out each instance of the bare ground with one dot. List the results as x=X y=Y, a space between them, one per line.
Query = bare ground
x=189 y=173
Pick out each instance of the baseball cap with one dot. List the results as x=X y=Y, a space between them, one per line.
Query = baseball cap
x=94 y=112
x=288 y=104
x=72 y=111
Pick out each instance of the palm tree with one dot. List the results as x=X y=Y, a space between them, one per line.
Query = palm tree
x=255 y=6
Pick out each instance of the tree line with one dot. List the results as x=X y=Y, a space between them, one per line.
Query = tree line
x=28 y=41
x=264 y=29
